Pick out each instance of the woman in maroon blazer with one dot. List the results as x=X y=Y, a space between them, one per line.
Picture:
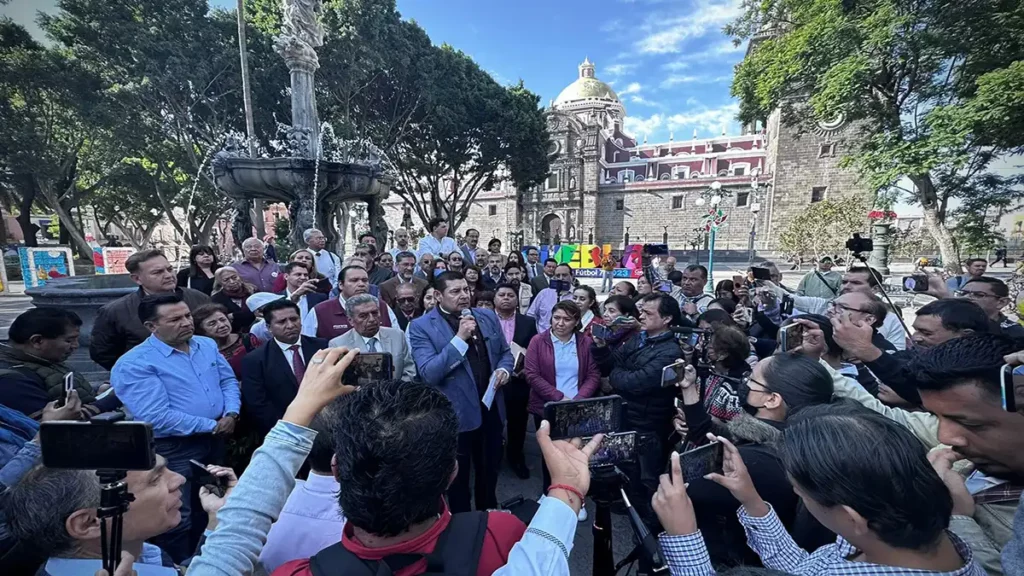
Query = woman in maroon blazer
x=558 y=364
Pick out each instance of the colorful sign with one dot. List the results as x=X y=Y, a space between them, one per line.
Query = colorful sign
x=111 y=260
x=40 y=265
x=585 y=259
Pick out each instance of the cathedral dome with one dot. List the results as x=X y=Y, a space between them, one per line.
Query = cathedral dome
x=586 y=87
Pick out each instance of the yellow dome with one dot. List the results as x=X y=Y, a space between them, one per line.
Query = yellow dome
x=586 y=87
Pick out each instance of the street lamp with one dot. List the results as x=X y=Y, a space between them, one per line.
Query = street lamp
x=714 y=218
x=757 y=189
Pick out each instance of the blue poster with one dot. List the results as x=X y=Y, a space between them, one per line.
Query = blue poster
x=40 y=265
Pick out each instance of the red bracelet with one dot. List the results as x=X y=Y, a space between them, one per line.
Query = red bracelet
x=567 y=488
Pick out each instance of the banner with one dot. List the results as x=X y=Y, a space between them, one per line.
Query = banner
x=111 y=260
x=40 y=265
x=585 y=259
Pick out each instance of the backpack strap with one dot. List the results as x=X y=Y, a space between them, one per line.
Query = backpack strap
x=825 y=282
x=466 y=533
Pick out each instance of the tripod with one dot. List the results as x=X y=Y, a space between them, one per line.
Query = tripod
x=607 y=484
x=114 y=500
x=863 y=260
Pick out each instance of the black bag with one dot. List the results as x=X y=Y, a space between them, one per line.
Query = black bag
x=465 y=532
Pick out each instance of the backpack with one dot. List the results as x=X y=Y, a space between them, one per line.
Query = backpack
x=465 y=533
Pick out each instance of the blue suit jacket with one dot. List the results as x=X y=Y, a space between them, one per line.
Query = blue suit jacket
x=441 y=365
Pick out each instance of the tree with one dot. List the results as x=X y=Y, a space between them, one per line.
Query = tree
x=824 y=227
x=923 y=81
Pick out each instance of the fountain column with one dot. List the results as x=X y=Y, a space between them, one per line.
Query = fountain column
x=301 y=34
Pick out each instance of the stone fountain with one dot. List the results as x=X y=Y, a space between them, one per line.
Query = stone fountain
x=307 y=182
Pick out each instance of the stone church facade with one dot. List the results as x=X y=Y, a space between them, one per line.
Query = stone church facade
x=606 y=186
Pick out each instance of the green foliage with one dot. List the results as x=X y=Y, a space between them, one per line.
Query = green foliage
x=933 y=89
x=824 y=227
x=910 y=243
x=283 y=238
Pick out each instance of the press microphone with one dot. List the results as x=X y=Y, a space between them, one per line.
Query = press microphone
x=468 y=313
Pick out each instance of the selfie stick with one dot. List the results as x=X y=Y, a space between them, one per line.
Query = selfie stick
x=647 y=552
x=648 y=543
x=114 y=500
x=878 y=280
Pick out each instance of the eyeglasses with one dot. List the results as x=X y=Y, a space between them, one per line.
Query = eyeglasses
x=837 y=306
x=973 y=295
x=748 y=380
x=405 y=300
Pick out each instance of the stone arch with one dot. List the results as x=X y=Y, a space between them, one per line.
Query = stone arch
x=550 y=227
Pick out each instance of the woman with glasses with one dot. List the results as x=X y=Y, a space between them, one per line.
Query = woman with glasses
x=778 y=387
x=728 y=351
x=455 y=262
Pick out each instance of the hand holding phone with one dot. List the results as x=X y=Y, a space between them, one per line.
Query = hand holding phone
x=217 y=484
x=600 y=331
x=791 y=337
x=700 y=462
x=673 y=374
x=69 y=385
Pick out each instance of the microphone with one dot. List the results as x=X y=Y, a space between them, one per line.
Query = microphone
x=688 y=330
x=468 y=313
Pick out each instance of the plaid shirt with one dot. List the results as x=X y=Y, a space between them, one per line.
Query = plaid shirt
x=687 y=556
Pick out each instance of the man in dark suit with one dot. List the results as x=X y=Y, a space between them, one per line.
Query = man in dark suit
x=461 y=355
x=405 y=263
x=541 y=281
x=469 y=248
x=271 y=374
x=519 y=329
x=300 y=289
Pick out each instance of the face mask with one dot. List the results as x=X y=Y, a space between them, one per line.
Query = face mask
x=743 y=391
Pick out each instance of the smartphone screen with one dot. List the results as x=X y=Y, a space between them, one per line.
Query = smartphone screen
x=614 y=449
x=204 y=477
x=665 y=287
x=69 y=385
x=702 y=461
x=94 y=446
x=917 y=283
x=600 y=331
x=673 y=373
x=582 y=418
x=791 y=337
x=369 y=368
x=1006 y=388
x=761 y=273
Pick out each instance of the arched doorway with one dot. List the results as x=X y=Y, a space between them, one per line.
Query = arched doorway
x=551 y=228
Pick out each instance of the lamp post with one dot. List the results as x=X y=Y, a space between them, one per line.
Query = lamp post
x=712 y=220
x=757 y=190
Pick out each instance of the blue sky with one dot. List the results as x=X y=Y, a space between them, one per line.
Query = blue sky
x=667 y=59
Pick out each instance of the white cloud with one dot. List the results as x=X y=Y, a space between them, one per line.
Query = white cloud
x=612 y=26
x=633 y=88
x=676 y=79
x=708 y=120
x=617 y=70
x=666 y=35
x=639 y=126
x=676 y=66
x=640 y=100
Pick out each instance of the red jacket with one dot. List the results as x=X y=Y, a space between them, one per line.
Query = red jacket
x=540 y=371
x=503 y=531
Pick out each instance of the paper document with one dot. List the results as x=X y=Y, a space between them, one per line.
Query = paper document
x=492 y=389
x=518 y=355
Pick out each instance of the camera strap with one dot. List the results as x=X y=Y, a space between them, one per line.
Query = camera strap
x=825 y=282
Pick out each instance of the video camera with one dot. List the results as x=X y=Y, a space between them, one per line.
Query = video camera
x=111 y=447
x=858 y=245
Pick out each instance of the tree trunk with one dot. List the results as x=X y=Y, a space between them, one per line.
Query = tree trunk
x=78 y=241
x=342 y=218
x=3 y=227
x=943 y=239
x=26 y=185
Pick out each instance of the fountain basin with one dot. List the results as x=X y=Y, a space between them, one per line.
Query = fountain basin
x=282 y=179
x=83 y=295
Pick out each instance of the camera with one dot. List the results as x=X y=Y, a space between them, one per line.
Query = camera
x=103 y=443
x=859 y=245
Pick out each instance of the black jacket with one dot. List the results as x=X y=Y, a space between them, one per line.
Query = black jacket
x=890 y=369
x=241 y=317
x=714 y=506
x=268 y=382
x=635 y=374
x=118 y=328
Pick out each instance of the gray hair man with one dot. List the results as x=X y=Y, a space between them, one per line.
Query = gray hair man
x=254 y=268
x=327 y=263
x=367 y=334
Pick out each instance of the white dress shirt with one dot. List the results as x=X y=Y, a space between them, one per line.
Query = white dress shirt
x=376 y=340
x=327 y=263
x=286 y=349
x=303 y=304
x=436 y=247
x=310 y=324
x=398 y=250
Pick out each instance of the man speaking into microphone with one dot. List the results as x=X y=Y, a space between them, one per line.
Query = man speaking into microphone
x=462 y=351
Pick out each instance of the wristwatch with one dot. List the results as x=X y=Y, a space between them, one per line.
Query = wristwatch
x=232 y=415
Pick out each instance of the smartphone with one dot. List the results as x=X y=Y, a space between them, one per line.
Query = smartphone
x=614 y=449
x=69 y=385
x=700 y=462
x=917 y=283
x=582 y=418
x=673 y=373
x=1006 y=388
x=760 y=273
x=204 y=477
x=97 y=445
x=622 y=320
x=369 y=368
x=600 y=331
x=791 y=337
x=664 y=286
x=560 y=285
x=748 y=315
x=656 y=249
x=738 y=281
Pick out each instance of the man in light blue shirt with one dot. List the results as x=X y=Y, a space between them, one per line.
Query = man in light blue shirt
x=437 y=242
x=182 y=386
x=542 y=303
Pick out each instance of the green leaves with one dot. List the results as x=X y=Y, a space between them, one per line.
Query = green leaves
x=824 y=227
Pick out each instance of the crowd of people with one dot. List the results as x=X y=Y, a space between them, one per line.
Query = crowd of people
x=850 y=443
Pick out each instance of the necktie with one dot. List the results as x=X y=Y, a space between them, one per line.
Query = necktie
x=372 y=345
x=298 y=367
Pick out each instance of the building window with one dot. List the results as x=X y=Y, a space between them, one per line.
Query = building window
x=620 y=204
x=739 y=171
x=742 y=198
x=677 y=202
x=552 y=181
x=818 y=193
x=827 y=150
x=680 y=172
x=492 y=209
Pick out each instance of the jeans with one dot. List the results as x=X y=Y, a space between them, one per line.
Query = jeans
x=180 y=542
x=606 y=280
x=482 y=449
